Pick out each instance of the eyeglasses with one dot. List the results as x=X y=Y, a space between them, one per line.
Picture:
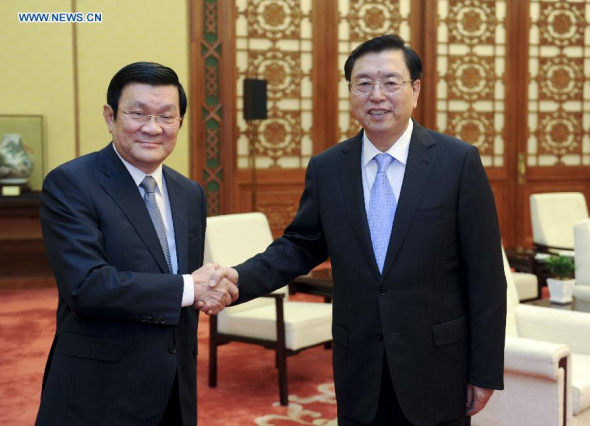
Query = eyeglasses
x=391 y=86
x=162 y=120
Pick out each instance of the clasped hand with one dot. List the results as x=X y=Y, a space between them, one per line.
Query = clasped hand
x=215 y=288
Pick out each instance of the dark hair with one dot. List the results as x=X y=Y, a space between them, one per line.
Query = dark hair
x=381 y=43
x=147 y=73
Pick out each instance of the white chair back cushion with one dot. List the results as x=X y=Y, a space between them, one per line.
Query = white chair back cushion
x=553 y=216
x=582 y=250
x=231 y=239
x=512 y=299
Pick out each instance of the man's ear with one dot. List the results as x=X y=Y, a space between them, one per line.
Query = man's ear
x=416 y=92
x=109 y=117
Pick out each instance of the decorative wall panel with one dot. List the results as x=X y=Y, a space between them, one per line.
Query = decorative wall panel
x=273 y=42
x=471 y=65
x=211 y=108
x=360 y=21
x=559 y=83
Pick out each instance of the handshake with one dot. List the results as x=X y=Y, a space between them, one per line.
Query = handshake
x=215 y=287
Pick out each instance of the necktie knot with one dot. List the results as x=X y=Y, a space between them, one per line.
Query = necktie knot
x=383 y=162
x=148 y=184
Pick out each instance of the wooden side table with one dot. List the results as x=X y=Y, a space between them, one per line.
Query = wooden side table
x=24 y=260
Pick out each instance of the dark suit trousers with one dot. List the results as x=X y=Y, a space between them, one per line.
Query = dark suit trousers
x=172 y=416
x=389 y=412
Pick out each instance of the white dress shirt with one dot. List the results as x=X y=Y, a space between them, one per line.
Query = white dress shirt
x=163 y=202
x=395 y=173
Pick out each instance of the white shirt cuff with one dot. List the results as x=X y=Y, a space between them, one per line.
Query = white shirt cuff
x=188 y=295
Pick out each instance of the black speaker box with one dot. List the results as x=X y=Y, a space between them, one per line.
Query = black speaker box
x=254 y=99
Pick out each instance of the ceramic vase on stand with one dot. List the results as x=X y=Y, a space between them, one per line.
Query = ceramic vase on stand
x=16 y=163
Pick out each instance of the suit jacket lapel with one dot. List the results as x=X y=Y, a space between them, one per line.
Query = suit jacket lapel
x=178 y=205
x=118 y=183
x=420 y=163
x=350 y=174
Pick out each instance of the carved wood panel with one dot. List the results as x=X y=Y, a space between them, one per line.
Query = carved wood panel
x=559 y=84
x=512 y=78
x=360 y=21
x=273 y=42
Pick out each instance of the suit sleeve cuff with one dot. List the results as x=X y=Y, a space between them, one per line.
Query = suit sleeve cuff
x=188 y=295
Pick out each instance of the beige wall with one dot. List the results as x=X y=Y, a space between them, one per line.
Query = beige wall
x=38 y=60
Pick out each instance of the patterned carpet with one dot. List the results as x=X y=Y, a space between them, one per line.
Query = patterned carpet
x=247 y=391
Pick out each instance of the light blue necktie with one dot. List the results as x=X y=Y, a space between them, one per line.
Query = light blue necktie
x=149 y=185
x=381 y=209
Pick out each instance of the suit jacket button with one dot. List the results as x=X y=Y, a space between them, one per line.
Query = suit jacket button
x=162 y=320
x=379 y=337
x=172 y=349
x=382 y=291
x=143 y=319
x=149 y=320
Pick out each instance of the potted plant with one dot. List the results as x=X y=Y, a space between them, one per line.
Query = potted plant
x=561 y=286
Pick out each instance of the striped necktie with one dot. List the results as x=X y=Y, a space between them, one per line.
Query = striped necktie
x=149 y=185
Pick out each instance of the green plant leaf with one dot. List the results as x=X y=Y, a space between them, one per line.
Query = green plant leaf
x=561 y=267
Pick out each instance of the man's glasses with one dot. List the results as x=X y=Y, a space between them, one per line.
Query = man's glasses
x=162 y=120
x=391 y=86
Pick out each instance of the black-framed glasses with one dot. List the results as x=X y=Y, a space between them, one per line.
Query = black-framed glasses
x=162 y=120
x=390 y=86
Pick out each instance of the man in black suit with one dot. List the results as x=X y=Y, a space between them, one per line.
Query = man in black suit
x=407 y=217
x=123 y=233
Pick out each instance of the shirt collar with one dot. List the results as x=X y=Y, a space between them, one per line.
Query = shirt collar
x=138 y=175
x=399 y=150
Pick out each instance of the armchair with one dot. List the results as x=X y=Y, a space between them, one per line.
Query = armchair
x=546 y=367
x=553 y=216
x=273 y=321
x=582 y=259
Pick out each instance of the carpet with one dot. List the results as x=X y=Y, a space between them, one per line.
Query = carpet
x=247 y=385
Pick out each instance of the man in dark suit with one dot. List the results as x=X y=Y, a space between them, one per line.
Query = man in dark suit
x=123 y=234
x=419 y=299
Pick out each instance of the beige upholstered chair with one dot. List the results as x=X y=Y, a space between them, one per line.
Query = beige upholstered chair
x=546 y=367
x=526 y=285
x=553 y=216
x=273 y=321
x=582 y=258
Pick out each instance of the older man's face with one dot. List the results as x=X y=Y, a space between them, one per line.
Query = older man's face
x=384 y=117
x=145 y=146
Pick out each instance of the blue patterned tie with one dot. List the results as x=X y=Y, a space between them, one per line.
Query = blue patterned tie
x=149 y=185
x=381 y=209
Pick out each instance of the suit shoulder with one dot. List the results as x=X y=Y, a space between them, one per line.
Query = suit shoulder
x=334 y=151
x=78 y=166
x=450 y=142
x=181 y=179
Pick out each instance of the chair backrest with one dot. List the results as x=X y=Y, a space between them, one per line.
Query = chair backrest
x=582 y=251
x=231 y=239
x=553 y=216
x=512 y=299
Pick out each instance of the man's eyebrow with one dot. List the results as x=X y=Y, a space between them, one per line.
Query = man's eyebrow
x=370 y=76
x=140 y=104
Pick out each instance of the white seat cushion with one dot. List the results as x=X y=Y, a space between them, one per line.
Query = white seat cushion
x=526 y=285
x=306 y=323
x=581 y=382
